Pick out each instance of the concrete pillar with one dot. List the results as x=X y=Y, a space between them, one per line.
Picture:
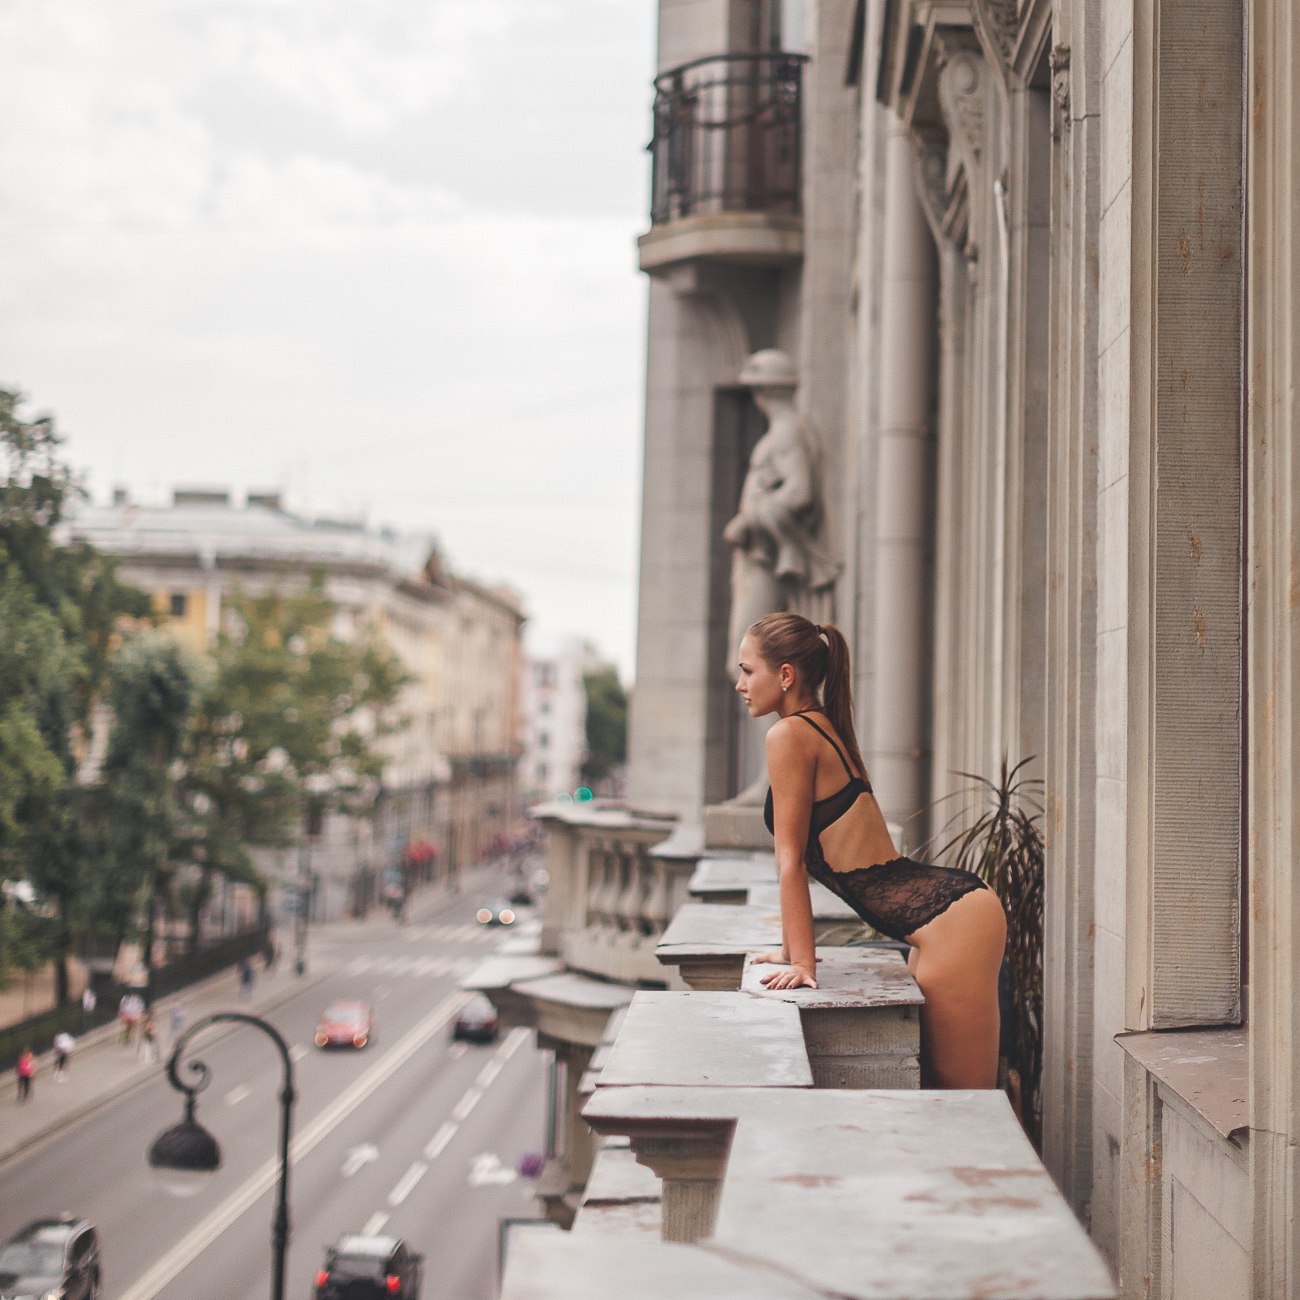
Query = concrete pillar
x=898 y=757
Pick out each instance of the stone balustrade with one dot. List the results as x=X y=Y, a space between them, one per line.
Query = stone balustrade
x=616 y=879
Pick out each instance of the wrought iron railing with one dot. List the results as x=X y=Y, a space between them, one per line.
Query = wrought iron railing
x=727 y=136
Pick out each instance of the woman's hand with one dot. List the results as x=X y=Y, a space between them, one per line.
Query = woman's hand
x=777 y=957
x=794 y=977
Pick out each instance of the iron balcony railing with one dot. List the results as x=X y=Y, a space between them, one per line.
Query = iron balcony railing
x=727 y=136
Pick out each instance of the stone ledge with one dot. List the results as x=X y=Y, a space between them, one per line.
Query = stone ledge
x=1206 y=1069
x=708 y=1040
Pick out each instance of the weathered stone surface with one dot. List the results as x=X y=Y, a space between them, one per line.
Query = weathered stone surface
x=577 y=1267
x=709 y=1040
x=617 y=1176
x=881 y=1194
x=904 y=1194
x=846 y=977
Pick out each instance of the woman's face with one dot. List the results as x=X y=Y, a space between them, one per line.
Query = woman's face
x=758 y=683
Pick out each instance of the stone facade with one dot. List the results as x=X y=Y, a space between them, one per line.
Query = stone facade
x=1040 y=285
x=451 y=774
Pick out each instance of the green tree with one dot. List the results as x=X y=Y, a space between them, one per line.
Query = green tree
x=143 y=837
x=606 y=725
x=61 y=606
x=288 y=725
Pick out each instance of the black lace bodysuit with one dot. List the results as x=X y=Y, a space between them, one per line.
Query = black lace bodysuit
x=897 y=897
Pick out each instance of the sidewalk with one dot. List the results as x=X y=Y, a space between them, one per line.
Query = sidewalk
x=101 y=1069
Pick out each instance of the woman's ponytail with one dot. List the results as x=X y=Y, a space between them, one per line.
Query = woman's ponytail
x=837 y=691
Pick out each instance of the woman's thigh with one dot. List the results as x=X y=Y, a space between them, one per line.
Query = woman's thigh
x=956 y=962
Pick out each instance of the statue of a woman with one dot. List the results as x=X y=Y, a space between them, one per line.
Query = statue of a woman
x=778 y=561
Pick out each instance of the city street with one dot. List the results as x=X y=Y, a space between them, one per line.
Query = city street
x=414 y=1135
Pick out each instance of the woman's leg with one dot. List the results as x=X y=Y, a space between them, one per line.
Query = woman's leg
x=955 y=961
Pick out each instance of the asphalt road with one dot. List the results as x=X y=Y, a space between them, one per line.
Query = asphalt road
x=414 y=1136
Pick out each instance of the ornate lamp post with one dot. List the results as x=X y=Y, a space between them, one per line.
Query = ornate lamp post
x=190 y=1147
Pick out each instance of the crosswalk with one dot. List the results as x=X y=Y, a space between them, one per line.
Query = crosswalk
x=451 y=932
x=410 y=965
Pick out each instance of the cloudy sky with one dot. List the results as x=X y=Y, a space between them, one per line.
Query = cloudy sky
x=378 y=255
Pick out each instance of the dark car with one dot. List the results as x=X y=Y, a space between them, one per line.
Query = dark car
x=51 y=1257
x=476 y=1020
x=345 y=1024
x=358 y=1268
x=498 y=912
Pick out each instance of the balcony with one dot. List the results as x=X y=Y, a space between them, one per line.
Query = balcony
x=727 y=162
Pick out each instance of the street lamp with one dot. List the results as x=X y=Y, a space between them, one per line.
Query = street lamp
x=189 y=1147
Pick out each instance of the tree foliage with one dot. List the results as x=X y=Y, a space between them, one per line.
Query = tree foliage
x=204 y=761
x=606 y=724
x=60 y=607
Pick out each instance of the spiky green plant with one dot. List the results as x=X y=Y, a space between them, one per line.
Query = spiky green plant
x=1004 y=846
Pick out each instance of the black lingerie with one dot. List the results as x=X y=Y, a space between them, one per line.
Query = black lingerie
x=896 y=897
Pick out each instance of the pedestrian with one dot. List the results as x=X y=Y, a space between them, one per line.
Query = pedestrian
x=176 y=1022
x=129 y=1012
x=26 y=1071
x=88 y=1004
x=245 y=978
x=269 y=953
x=63 y=1045
x=827 y=824
x=149 y=1037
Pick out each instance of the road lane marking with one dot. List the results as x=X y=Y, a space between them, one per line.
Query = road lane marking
x=486 y=1170
x=297 y=1052
x=152 y=1282
x=358 y=965
x=358 y=1157
x=374 y=1225
x=514 y=1041
x=440 y=1139
x=457 y=1050
x=236 y=1095
x=407 y=1183
x=489 y=1072
x=466 y=1104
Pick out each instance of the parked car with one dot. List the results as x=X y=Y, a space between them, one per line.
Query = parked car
x=477 y=1021
x=52 y=1257
x=345 y=1024
x=498 y=912
x=359 y=1268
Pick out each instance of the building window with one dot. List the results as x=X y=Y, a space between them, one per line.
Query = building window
x=178 y=604
x=543 y=739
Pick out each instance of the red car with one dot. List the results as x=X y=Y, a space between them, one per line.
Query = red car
x=345 y=1024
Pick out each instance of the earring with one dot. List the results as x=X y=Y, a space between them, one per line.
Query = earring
x=785 y=686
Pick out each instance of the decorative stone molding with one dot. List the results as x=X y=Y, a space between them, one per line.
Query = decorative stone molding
x=998 y=25
x=962 y=93
x=1059 y=61
x=931 y=176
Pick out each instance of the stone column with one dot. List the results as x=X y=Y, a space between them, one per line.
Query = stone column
x=898 y=757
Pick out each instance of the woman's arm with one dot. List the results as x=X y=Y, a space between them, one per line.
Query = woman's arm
x=792 y=773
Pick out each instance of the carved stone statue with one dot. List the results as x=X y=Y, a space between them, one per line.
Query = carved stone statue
x=778 y=561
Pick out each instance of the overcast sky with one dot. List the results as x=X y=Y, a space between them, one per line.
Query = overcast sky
x=379 y=255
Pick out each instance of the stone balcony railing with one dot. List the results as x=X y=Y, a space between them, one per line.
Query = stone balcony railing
x=617 y=879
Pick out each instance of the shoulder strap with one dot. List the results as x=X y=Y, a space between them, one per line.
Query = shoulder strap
x=853 y=776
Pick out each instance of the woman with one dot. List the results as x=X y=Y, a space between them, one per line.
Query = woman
x=827 y=824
